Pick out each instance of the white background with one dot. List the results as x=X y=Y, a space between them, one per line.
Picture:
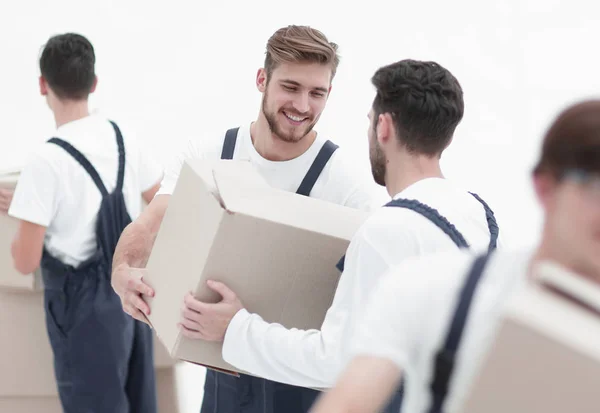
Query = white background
x=184 y=69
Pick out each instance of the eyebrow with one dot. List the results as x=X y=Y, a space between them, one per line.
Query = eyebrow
x=293 y=82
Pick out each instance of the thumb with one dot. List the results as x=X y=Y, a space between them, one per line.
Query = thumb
x=222 y=289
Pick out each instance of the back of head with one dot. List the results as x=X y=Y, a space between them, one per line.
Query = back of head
x=572 y=143
x=67 y=64
x=300 y=44
x=425 y=101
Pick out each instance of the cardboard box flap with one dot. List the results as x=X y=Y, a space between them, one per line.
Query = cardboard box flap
x=244 y=191
x=553 y=312
x=237 y=182
x=576 y=288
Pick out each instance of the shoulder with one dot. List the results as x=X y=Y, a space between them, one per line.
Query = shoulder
x=352 y=182
x=430 y=275
x=45 y=156
x=393 y=223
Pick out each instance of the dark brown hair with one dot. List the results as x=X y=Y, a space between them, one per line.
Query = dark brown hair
x=572 y=141
x=425 y=101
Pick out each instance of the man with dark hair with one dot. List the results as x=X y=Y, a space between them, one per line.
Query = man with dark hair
x=75 y=195
x=283 y=145
x=415 y=112
x=413 y=325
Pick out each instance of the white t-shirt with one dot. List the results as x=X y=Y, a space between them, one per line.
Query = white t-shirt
x=409 y=313
x=56 y=192
x=314 y=358
x=340 y=182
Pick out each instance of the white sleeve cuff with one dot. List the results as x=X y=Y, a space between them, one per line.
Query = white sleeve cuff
x=233 y=350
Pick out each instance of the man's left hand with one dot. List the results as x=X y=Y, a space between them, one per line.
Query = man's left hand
x=209 y=321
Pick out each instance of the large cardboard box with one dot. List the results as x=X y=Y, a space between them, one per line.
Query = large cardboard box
x=277 y=250
x=546 y=356
x=10 y=278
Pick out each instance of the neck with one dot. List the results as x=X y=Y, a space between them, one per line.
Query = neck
x=557 y=254
x=69 y=111
x=404 y=170
x=272 y=148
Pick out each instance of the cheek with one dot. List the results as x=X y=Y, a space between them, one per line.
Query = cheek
x=318 y=106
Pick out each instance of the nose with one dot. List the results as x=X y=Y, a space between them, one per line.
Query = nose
x=301 y=103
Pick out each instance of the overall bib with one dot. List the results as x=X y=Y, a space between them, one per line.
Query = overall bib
x=224 y=393
x=449 y=229
x=103 y=358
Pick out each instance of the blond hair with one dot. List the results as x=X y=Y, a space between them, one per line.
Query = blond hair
x=300 y=44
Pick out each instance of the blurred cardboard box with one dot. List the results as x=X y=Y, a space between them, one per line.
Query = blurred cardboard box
x=10 y=278
x=546 y=356
x=276 y=249
x=30 y=405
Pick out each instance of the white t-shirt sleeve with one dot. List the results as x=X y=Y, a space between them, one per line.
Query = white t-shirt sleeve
x=150 y=170
x=367 y=196
x=36 y=194
x=402 y=309
x=173 y=168
x=389 y=327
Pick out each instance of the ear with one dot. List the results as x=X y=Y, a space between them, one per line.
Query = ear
x=261 y=80
x=544 y=186
x=43 y=86
x=93 y=89
x=384 y=128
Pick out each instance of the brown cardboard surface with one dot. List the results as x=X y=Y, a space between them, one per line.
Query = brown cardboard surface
x=10 y=278
x=25 y=354
x=30 y=405
x=162 y=358
x=166 y=384
x=166 y=387
x=277 y=250
x=546 y=357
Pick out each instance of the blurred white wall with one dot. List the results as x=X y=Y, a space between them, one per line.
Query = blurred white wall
x=183 y=69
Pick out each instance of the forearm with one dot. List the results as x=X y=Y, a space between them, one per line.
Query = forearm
x=136 y=241
x=306 y=358
x=365 y=386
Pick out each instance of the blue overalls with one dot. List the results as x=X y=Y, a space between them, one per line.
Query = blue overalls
x=446 y=356
x=449 y=229
x=224 y=393
x=103 y=358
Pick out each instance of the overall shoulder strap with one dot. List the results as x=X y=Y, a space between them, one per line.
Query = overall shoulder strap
x=83 y=161
x=491 y=220
x=445 y=357
x=121 y=146
x=229 y=143
x=434 y=216
x=316 y=168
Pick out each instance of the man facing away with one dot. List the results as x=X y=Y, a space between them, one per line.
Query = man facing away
x=416 y=110
x=284 y=147
x=413 y=316
x=73 y=199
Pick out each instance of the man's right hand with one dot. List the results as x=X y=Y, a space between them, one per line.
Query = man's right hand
x=128 y=283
